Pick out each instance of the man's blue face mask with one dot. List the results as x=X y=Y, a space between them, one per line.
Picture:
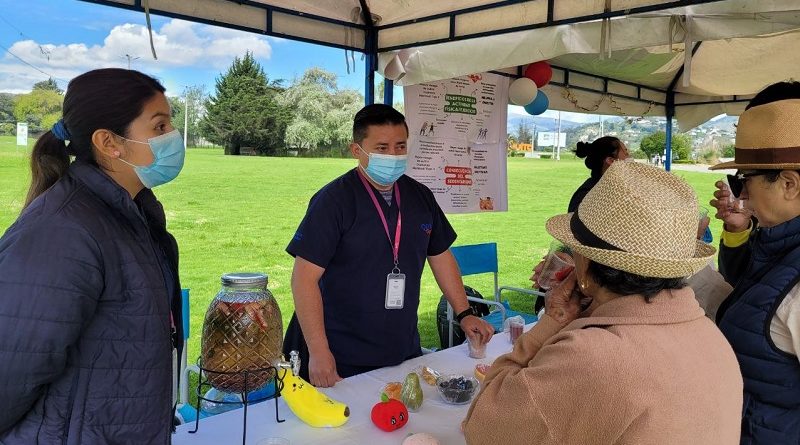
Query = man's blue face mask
x=168 y=156
x=385 y=169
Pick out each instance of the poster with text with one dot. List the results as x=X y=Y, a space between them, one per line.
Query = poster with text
x=457 y=141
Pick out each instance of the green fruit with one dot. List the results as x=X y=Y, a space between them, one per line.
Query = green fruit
x=411 y=394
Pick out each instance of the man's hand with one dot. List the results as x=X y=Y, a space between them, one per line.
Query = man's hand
x=322 y=369
x=734 y=221
x=563 y=302
x=477 y=330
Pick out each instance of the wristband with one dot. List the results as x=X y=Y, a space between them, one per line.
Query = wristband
x=466 y=313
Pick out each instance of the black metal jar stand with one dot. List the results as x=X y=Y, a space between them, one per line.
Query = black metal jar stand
x=203 y=385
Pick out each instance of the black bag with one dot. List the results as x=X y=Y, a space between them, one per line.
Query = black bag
x=481 y=309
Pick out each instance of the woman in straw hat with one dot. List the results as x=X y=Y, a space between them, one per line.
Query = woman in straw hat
x=642 y=364
x=761 y=317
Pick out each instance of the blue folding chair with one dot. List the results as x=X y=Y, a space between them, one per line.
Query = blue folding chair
x=476 y=259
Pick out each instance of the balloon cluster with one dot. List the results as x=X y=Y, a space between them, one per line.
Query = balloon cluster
x=525 y=90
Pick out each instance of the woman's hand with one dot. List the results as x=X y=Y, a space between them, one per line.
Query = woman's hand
x=734 y=221
x=563 y=302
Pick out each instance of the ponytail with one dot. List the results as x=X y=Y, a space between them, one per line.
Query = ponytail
x=596 y=153
x=49 y=162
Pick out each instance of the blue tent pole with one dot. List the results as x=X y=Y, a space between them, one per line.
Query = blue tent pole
x=371 y=53
x=670 y=114
x=388 y=93
x=369 y=79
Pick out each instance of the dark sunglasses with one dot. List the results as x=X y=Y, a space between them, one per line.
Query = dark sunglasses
x=736 y=182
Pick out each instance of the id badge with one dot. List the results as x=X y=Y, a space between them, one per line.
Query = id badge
x=395 y=290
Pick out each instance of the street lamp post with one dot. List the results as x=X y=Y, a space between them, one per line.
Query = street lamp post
x=130 y=58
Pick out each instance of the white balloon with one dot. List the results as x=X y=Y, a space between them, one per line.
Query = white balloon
x=522 y=91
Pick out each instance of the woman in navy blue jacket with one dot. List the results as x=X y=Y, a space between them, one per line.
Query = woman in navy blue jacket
x=89 y=289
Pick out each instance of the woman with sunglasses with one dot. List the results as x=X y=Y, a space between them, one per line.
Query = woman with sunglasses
x=760 y=256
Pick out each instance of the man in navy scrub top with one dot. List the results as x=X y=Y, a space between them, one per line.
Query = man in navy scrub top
x=359 y=255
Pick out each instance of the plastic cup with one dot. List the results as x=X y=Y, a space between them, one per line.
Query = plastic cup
x=476 y=350
x=515 y=328
x=733 y=204
x=556 y=264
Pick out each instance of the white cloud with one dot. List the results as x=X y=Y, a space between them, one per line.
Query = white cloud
x=178 y=44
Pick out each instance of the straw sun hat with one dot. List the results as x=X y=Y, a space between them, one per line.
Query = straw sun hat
x=638 y=219
x=767 y=137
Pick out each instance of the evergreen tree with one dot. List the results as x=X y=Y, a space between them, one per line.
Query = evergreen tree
x=48 y=85
x=244 y=111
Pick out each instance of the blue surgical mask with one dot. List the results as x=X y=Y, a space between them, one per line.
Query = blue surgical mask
x=168 y=155
x=385 y=169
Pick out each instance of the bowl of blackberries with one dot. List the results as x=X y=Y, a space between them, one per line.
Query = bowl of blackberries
x=457 y=389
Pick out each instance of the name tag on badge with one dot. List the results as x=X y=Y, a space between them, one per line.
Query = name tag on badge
x=395 y=290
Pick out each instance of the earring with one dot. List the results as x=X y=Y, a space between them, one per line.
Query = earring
x=582 y=284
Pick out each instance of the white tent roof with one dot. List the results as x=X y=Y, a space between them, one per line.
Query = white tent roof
x=745 y=44
x=398 y=22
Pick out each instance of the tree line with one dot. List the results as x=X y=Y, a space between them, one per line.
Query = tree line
x=246 y=113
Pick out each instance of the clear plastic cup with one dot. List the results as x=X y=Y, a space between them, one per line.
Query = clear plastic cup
x=557 y=264
x=476 y=350
x=515 y=328
x=733 y=204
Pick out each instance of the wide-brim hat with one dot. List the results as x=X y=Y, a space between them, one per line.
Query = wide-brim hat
x=767 y=137
x=638 y=219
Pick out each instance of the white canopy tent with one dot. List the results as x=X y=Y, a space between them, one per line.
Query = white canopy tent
x=691 y=59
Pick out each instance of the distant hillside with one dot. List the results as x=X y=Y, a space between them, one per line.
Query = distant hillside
x=726 y=123
x=630 y=130
x=542 y=123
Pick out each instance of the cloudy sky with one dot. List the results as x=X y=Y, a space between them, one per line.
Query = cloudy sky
x=63 y=38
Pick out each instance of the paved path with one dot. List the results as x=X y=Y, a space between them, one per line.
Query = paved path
x=703 y=168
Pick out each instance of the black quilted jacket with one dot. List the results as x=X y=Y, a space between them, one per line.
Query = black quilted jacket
x=88 y=277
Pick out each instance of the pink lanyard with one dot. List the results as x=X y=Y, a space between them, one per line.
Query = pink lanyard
x=371 y=193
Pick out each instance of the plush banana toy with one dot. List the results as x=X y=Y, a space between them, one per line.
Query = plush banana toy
x=310 y=405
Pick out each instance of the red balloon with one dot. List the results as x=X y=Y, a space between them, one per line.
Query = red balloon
x=539 y=72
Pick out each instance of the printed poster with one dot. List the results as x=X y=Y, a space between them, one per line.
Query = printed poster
x=457 y=141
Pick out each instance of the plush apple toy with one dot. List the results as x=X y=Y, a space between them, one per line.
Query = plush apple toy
x=389 y=414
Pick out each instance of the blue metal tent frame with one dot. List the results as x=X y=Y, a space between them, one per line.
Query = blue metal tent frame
x=371 y=47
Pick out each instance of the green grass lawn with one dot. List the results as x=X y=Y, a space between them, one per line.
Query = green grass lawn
x=238 y=213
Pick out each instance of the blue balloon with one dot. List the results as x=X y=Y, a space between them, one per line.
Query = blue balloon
x=539 y=105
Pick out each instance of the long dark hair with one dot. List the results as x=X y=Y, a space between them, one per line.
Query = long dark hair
x=596 y=153
x=109 y=98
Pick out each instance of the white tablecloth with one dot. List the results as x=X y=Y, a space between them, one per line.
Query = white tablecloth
x=360 y=392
